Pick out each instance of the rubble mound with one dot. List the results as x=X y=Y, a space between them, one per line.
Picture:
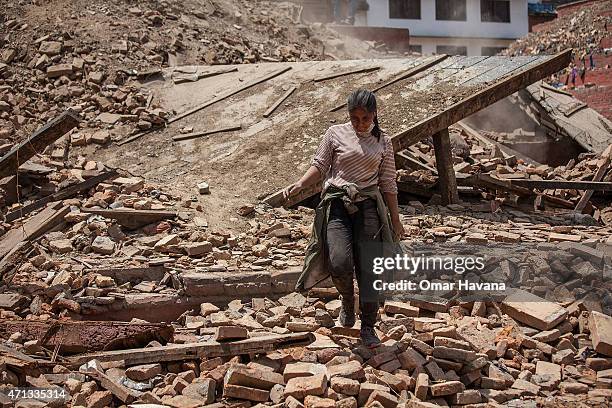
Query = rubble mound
x=83 y=54
x=582 y=30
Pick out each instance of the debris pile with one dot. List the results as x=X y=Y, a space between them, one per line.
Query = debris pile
x=93 y=57
x=434 y=354
x=582 y=31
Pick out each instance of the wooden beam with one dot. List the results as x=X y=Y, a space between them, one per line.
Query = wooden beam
x=280 y=100
x=124 y=394
x=553 y=89
x=602 y=167
x=563 y=184
x=194 y=135
x=34 y=227
x=444 y=164
x=480 y=100
x=233 y=92
x=37 y=142
x=277 y=200
x=344 y=73
x=132 y=219
x=411 y=72
x=191 y=351
x=61 y=195
x=405 y=160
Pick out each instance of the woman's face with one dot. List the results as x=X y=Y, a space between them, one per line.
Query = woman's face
x=361 y=119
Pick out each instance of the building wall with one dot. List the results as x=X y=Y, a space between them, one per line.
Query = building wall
x=428 y=26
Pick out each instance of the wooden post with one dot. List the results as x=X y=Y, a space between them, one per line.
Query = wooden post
x=444 y=164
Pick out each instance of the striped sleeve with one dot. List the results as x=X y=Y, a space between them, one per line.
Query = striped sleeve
x=323 y=157
x=387 y=174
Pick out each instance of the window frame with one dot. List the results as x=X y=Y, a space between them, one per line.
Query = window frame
x=418 y=7
x=492 y=16
x=452 y=16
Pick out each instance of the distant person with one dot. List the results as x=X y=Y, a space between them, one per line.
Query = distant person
x=573 y=75
x=339 y=18
x=591 y=61
x=583 y=73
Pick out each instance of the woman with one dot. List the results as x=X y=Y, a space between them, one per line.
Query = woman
x=352 y=221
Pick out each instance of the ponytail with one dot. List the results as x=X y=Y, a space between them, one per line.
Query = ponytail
x=376 y=131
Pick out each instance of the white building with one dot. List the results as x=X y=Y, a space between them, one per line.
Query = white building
x=462 y=27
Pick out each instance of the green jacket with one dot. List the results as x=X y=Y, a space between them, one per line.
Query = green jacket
x=315 y=265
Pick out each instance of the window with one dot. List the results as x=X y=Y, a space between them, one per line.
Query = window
x=495 y=11
x=451 y=49
x=490 y=51
x=407 y=9
x=451 y=10
x=415 y=48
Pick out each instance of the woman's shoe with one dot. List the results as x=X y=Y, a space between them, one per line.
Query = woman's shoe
x=347 y=313
x=369 y=337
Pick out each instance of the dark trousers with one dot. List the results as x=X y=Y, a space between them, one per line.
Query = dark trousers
x=352 y=242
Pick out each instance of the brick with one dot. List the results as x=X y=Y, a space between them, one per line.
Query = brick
x=368 y=388
x=203 y=390
x=210 y=364
x=454 y=354
x=59 y=70
x=598 y=364
x=422 y=386
x=452 y=343
x=386 y=399
x=381 y=358
x=467 y=397
x=300 y=387
x=100 y=399
x=402 y=308
x=391 y=366
x=312 y=401
x=532 y=310
x=223 y=333
x=301 y=369
x=600 y=326
x=446 y=388
x=345 y=386
x=435 y=372
x=182 y=401
x=207 y=309
x=528 y=387
x=493 y=383
x=349 y=402
x=246 y=393
x=411 y=359
x=143 y=372
x=421 y=346
x=247 y=377
x=352 y=370
x=573 y=387
x=546 y=368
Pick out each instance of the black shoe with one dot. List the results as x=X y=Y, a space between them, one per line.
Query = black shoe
x=369 y=337
x=347 y=313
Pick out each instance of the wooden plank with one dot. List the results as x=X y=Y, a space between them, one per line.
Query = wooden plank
x=411 y=72
x=34 y=227
x=277 y=199
x=233 y=92
x=136 y=136
x=564 y=184
x=480 y=100
x=61 y=195
x=37 y=142
x=130 y=218
x=193 y=351
x=349 y=72
x=553 y=89
x=498 y=68
x=124 y=394
x=444 y=164
x=280 y=100
x=404 y=160
x=602 y=167
x=195 y=135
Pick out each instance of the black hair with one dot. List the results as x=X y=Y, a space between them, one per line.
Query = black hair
x=362 y=98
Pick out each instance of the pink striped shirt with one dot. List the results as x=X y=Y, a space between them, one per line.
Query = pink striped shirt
x=344 y=157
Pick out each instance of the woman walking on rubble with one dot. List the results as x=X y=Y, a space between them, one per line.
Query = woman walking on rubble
x=358 y=211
